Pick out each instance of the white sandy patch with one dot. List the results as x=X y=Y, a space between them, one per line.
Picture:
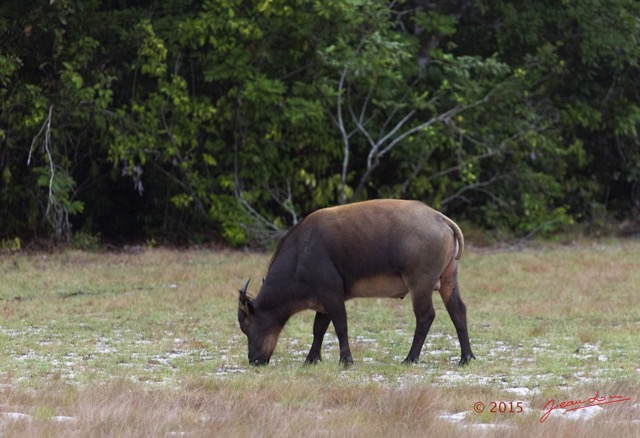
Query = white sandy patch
x=16 y=416
x=581 y=414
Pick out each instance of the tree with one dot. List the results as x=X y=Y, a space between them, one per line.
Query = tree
x=587 y=55
x=192 y=120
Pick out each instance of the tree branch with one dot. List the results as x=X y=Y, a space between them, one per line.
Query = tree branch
x=285 y=201
x=475 y=186
x=345 y=138
x=46 y=127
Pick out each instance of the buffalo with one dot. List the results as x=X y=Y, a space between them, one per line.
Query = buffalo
x=380 y=248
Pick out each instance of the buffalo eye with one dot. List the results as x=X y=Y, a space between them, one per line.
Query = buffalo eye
x=242 y=319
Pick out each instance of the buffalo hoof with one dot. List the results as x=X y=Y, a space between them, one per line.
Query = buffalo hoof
x=466 y=360
x=346 y=361
x=313 y=359
x=409 y=360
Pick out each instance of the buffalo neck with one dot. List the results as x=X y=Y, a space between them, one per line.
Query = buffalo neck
x=274 y=302
x=282 y=299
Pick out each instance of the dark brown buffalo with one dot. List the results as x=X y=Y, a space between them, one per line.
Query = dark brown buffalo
x=383 y=248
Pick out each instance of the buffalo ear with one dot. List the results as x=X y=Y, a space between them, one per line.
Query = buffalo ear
x=245 y=301
x=246 y=307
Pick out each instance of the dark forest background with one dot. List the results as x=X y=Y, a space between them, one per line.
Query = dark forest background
x=190 y=121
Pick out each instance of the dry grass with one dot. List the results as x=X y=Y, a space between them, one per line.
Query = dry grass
x=147 y=344
x=126 y=409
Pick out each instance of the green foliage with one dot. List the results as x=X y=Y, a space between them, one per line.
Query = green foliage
x=587 y=56
x=191 y=120
x=11 y=245
x=226 y=212
x=85 y=241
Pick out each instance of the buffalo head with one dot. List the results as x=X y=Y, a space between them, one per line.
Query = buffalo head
x=262 y=333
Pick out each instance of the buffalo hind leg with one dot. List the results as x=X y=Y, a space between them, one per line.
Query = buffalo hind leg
x=450 y=292
x=320 y=326
x=425 y=314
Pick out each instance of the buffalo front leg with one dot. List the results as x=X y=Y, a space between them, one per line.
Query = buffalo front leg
x=338 y=314
x=425 y=314
x=320 y=326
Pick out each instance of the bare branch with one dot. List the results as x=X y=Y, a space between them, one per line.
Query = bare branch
x=46 y=128
x=345 y=138
x=416 y=170
x=254 y=213
x=360 y=126
x=375 y=154
x=522 y=242
x=57 y=213
x=343 y=131
x=42 y=128
x=367 y=100
x=285 y=199
x=460 y=165
x=391 y=133
x=441 y=118
x=475 y=186
x=404 y=98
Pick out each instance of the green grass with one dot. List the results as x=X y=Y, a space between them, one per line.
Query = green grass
x=147 y=344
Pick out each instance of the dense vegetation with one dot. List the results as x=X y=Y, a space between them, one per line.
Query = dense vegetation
x=190 y=120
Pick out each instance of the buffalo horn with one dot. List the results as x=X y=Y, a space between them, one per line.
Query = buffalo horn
x=243 y=291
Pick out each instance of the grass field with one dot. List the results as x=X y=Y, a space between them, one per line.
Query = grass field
x=147 y=344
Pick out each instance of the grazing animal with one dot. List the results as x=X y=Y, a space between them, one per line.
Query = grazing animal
x=381 y=248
